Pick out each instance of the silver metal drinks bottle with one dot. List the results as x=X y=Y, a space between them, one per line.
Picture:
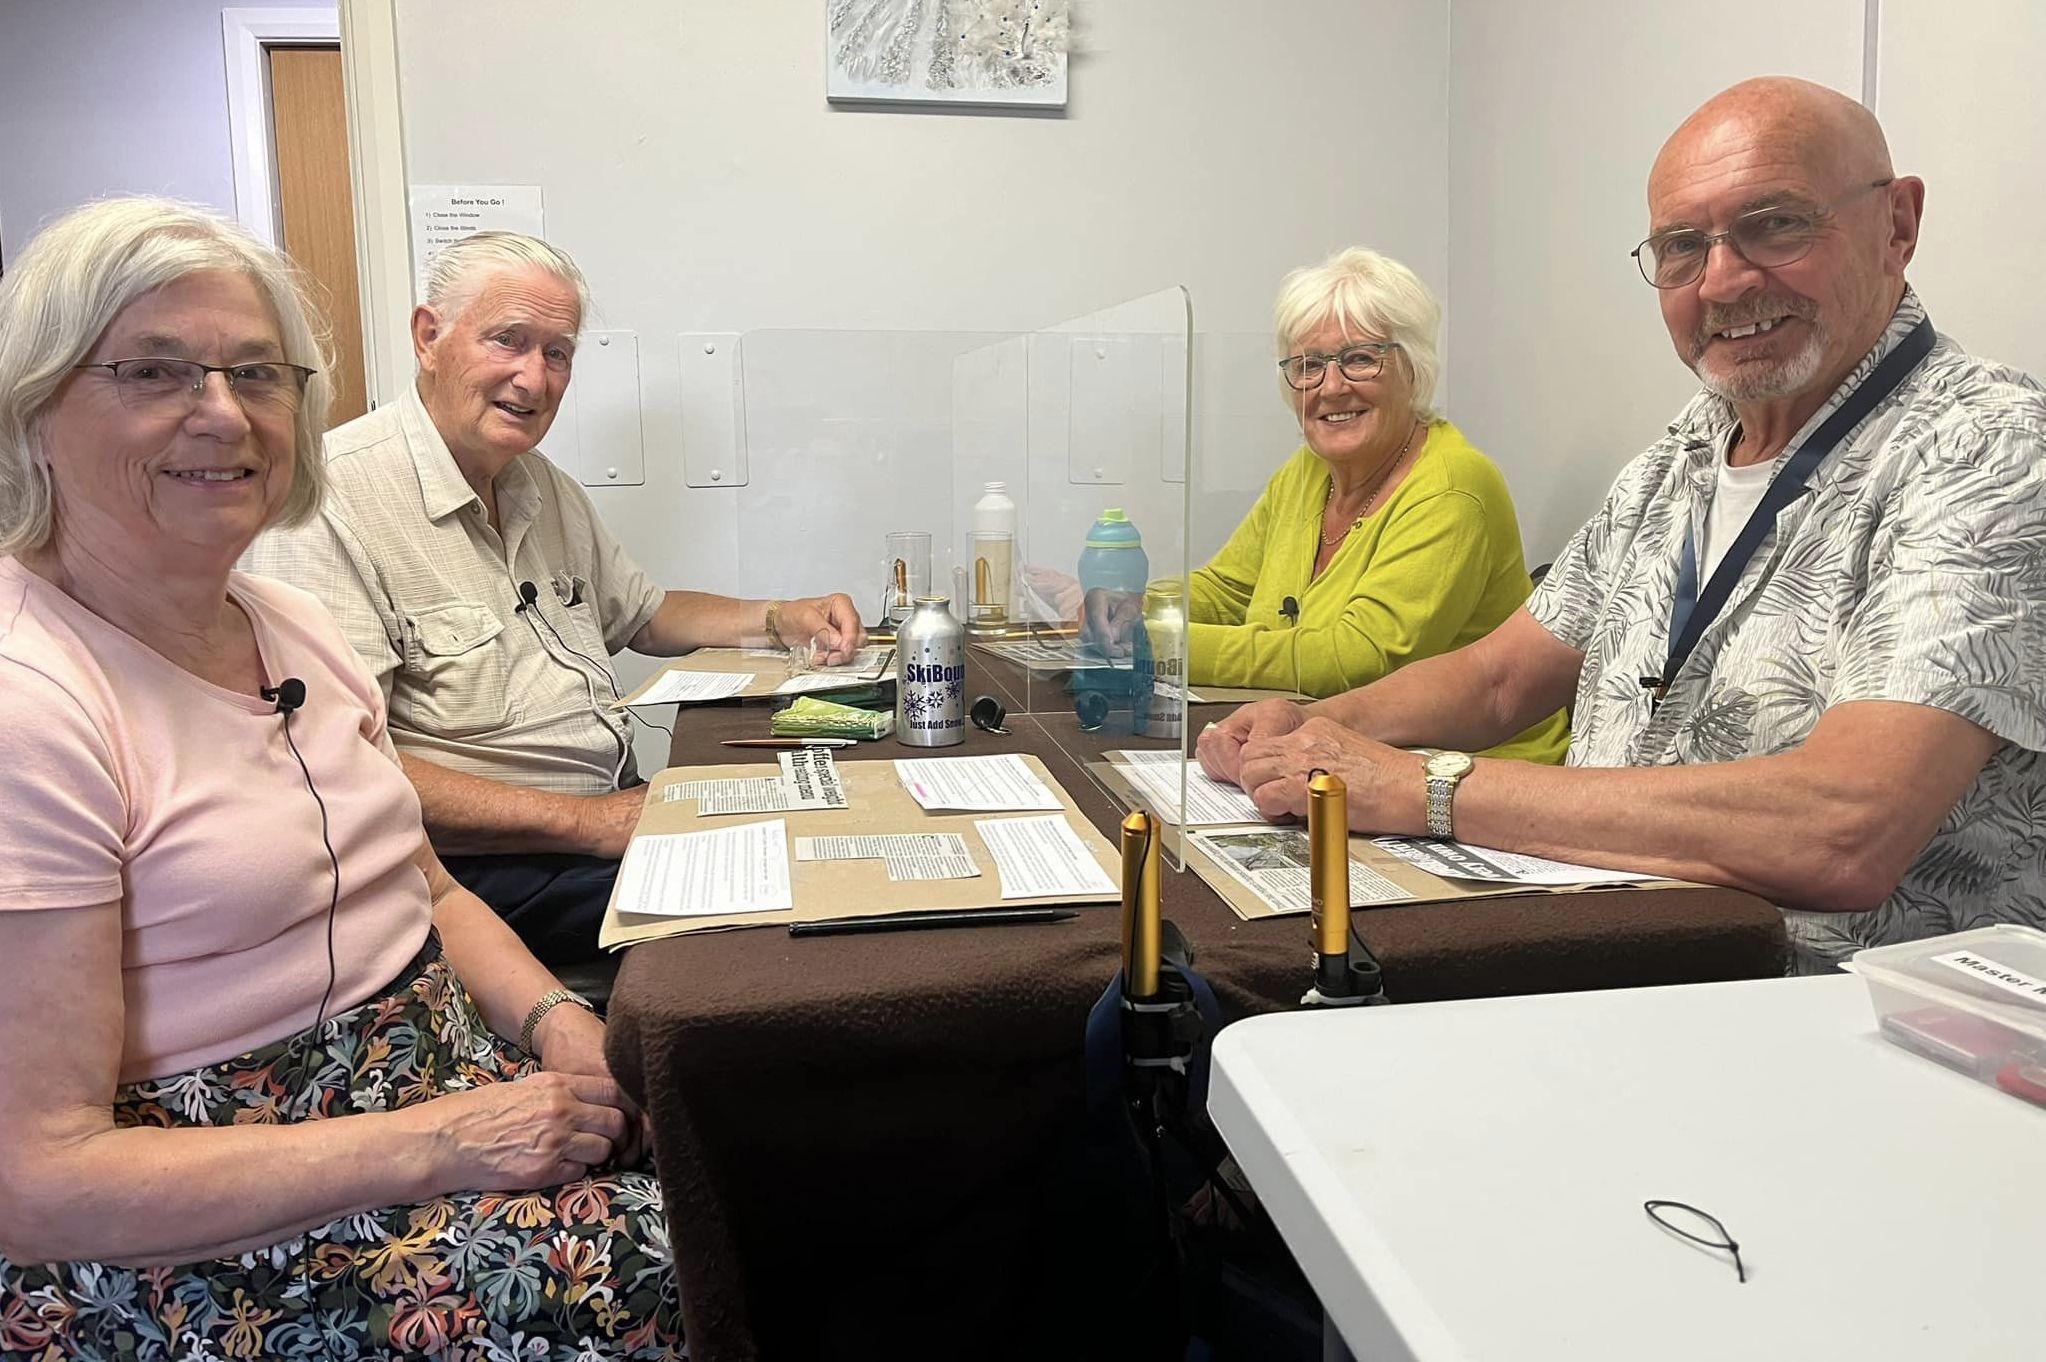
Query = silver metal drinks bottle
x=930 y=676
x=1163 y=707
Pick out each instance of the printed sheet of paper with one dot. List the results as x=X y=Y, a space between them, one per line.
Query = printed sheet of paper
x=690 y=688
x=752 y=794
x=761 y=796
x=975 y=784
x=1037 y=655
x=1040 y=857
x=1272 y=863
x=867 y=665
x=1459 y=861
x=808 y=780
x=740 y=869
x=805 y=683
x=908 y=855
x=812 y=774
x=752 y=673
x=1209 y=803
x=443 y=214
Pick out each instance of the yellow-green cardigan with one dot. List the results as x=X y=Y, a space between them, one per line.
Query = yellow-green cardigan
x=1437 y=566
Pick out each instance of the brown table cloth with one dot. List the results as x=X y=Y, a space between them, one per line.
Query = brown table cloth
x=868 y=1144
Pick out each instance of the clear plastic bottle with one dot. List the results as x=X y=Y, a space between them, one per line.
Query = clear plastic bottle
x=1114 y=558
x=992 y=555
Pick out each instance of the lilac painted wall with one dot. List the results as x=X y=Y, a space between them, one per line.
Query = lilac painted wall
x=103 y=97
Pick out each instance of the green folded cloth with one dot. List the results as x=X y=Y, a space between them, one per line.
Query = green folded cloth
x=810 y=717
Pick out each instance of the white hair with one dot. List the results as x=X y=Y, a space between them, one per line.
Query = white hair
x=66 y=289
x=1368 y=294
x=457 y=274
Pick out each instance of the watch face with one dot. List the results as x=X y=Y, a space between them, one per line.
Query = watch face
x=1449 y=764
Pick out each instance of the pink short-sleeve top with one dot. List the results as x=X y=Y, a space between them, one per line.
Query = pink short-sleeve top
x=127 y=779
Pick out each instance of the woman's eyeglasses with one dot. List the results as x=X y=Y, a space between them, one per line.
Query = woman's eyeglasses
x=1357 y=362
x=155 y=383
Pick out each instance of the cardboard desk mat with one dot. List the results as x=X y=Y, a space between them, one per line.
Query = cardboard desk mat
x=1425 y=887
x=876 y=802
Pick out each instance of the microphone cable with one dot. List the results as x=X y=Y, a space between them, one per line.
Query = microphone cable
x=288 y=695
x=529 y=596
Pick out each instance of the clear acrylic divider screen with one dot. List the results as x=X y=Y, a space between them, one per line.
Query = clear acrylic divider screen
x=1055 y=486
x=1085 y=426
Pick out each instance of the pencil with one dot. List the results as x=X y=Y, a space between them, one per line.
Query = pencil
x=791 y=742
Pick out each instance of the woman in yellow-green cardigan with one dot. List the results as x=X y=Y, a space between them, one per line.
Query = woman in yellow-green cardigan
x=1388 y=537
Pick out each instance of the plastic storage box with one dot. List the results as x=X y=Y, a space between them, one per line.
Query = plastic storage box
x=1974 y=1001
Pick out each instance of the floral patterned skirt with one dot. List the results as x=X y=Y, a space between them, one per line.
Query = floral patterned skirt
x=580 y=1271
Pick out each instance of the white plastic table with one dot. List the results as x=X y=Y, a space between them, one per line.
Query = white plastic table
x=1464 y=1180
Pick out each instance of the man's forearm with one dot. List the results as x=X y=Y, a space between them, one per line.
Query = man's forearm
x=1833 y=825
x=1453 y=700
x=469 y=815
x=1788 y=828
x=1436 y=702
x=698 y=619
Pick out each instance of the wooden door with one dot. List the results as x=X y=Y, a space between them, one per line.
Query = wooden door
x=315 y=206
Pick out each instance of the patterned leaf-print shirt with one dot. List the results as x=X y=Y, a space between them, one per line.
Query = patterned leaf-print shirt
x=1912 y=568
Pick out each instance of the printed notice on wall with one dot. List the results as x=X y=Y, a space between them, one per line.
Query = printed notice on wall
x=445 y=213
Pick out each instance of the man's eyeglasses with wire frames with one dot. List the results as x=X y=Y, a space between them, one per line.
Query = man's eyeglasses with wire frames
x=1357 y=363
x=154 y=383
x=1766 y=238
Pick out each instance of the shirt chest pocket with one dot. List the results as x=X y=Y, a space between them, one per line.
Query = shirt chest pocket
x=457 y=681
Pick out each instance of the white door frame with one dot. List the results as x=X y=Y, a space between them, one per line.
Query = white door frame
x=376 y=165
x=244 y=34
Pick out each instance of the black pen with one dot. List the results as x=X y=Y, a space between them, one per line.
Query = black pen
x=918 y=921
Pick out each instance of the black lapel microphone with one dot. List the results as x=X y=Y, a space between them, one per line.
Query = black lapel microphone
x=529 y=598
x=1290 y=610
x=288 y=693
x=530 y=595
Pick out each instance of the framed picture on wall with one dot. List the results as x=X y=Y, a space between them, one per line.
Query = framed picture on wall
x=962 y=52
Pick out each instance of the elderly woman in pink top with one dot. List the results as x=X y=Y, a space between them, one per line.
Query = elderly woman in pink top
x=271 y=1084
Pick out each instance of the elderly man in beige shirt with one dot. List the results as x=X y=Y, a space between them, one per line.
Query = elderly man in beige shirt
x=476 y=580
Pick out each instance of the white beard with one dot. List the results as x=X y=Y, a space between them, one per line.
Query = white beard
x=1764 y=382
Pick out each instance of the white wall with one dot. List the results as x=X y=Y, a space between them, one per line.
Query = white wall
x=691 y=164
x=1560 y=367
x=689 y=156
x=1958 y=90
x=102 y=97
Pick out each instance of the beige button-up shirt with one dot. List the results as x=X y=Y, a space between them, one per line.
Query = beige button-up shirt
x=428 y=592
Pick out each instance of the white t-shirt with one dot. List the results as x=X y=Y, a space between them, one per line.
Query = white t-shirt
x=1734 y=498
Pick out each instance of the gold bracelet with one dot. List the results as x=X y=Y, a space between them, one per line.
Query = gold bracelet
x=548 y=1001
x=774 y=624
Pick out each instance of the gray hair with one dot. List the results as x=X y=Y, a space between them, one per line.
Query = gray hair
x=456 y=274
x=1371 y=294
x=66 y=289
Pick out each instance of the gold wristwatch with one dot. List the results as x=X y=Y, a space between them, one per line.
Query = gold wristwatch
x=1445 y=771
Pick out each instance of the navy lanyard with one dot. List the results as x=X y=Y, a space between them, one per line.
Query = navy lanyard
x=1690 y=612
